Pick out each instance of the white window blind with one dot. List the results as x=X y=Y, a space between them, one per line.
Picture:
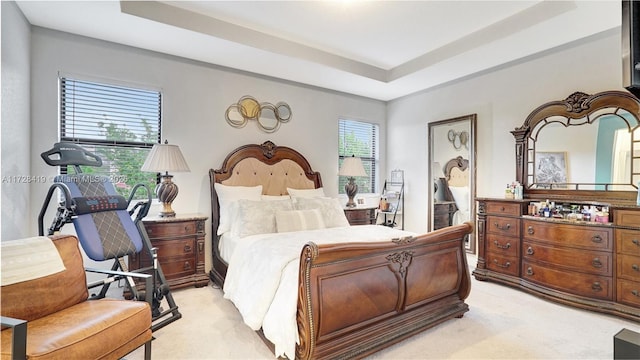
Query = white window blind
x=119 y=124
x=360 y=139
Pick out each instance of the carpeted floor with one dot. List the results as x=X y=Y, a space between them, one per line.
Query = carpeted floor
x=502 y=323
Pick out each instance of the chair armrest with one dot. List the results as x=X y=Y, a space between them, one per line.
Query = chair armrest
x=18 y=337
x=117 y=275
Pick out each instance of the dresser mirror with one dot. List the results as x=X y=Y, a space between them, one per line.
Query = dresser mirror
x=585 y=144
x=452 y=175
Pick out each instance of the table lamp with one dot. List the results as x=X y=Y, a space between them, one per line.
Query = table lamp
x=166 y=157
x=351 y=167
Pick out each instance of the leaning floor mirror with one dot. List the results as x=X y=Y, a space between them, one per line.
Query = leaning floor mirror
x=452 y=174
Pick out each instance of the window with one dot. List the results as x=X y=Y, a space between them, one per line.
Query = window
x=360 y=139
x=118 y=124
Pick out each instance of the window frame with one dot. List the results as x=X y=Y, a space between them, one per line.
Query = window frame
x=370 y=160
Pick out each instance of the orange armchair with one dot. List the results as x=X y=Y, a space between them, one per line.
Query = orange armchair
x=51 y=317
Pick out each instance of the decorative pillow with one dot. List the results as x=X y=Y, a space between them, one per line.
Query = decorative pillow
x=307 y=193
x=227 y=196
x=330 y=208
x=461 y=197
x=298 y=220
x=275 y=197
x=257 y=217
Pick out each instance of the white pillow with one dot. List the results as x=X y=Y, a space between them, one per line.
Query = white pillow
x=319 y=192
x=298 y=220
x=275 y=197
x=461 y=197
x=227 y=195
x=257 y=217
x=330 y=208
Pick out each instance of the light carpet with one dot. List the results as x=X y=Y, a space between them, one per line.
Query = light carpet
x=502 y=323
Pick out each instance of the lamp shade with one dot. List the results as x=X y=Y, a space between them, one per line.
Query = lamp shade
x=165 y=157
x=352 y=166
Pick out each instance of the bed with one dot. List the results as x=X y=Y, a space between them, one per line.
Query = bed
x=344 y=291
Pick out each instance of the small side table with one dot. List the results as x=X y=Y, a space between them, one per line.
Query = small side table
x=443 y=214
x=361 y=215
x=180 y=244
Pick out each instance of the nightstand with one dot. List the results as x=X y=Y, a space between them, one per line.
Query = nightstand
x=361 y=215
x=443 y=214
x=180 y=244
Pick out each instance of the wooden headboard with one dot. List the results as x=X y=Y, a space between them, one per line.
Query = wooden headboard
x=456 y=173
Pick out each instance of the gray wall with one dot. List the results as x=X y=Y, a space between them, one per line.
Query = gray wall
x=502 y=98
x=15 y=126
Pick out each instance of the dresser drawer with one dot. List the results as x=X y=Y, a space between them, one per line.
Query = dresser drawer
x=629 y=292
x=592 y=286
x=177 y=268
x=587 y=237
x=591 y=262
x=627 y=218
x=629 y=267
x=628 y=241
x=504 y=245
x=155 y=230
x=503 y=264
x=503 y=225
x=503 y=208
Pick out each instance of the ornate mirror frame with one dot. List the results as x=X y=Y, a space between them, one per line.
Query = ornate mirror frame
x=452 y=160
x=577 y=109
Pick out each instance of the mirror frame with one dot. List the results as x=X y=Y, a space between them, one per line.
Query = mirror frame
x=471 y=142
x=577 y=106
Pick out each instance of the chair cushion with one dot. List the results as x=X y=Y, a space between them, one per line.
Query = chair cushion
x=89 y=330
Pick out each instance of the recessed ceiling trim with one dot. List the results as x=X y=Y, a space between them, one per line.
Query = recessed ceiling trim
x=534 y=15
x=193 y=21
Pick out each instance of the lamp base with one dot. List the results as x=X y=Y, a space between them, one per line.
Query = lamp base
x=351 y=188
x=166 y=191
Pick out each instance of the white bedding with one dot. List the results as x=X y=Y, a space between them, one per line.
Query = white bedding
x=262 y=277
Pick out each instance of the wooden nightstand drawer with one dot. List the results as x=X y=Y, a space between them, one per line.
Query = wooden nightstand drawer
x=158 y=230
x=173 y=248
x=361 y=216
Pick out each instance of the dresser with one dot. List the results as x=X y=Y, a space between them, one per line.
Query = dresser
x=589 y=265
x=627 y=237
x=361 y=215
x=180 y=244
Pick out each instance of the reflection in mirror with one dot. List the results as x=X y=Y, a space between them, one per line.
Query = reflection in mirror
x=585 y=144
x=451 y=170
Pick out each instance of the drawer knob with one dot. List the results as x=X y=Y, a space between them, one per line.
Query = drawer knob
x=596 y=263
x=635 y=293
x=504 y=266
x=597 y=239
x=187 y=248
x=505 y=227
x=530 y=271
x=530 y=230
x=530 y=251
x=596 y=286
x=636 y=242
x=500 y=246
x=635 y=267
x=186 y=266
x=502 y=209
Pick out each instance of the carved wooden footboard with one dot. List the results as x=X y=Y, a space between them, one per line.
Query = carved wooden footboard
x=357 y=298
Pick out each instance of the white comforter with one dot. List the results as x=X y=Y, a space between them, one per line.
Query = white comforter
x=262 y=277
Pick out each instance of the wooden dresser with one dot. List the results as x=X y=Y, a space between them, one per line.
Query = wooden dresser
x=589 y=265
x=180 y=244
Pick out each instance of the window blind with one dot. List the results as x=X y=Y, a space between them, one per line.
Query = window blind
x=119 y=124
